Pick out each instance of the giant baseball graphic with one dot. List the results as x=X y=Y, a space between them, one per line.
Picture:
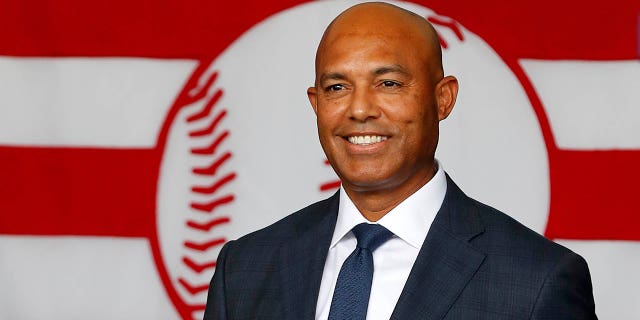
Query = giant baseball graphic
x=232 y=147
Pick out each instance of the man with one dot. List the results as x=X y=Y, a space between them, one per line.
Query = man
x=379 y=95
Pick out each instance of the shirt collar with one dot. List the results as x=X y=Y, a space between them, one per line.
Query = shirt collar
x=410 y=220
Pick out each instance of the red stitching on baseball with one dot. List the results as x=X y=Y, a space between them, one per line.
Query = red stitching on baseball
x=330 y=185
x=207 y=108
x=334 y=184
x=205 y=245
x=211 y=170
x=212 y=148
x=449 y=23
x=202 y=91
x=210 y=206
x=209 y=130
x=193 y=290
x=196 y=307
x=443 y=43
x=198 y=267
x=200 y=240
x=208 y=225
x=217 y=185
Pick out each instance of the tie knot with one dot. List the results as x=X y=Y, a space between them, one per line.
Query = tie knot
x=371 y=236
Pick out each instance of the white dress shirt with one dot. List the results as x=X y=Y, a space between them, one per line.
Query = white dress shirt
x=392 y=261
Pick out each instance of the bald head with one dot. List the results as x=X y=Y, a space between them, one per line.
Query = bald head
x=388 y=23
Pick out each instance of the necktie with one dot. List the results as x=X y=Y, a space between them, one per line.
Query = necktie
x=351 y=295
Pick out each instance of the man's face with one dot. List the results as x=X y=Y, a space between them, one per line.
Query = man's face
x=377 y=110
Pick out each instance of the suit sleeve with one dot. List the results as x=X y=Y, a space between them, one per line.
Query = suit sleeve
x=216 y=308
x=567 y=292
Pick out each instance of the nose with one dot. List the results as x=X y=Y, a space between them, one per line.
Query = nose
x=362 y=106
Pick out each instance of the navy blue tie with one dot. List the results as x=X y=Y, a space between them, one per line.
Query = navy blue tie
x=351 y=295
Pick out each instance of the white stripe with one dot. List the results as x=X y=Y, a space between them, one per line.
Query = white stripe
x=80 y=278
x=590 y=104
x=110 y=102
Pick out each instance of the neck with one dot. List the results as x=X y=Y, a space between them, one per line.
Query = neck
x=375 y=204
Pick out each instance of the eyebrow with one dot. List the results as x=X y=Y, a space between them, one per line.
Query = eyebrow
x=332 y=76
x=394 y=68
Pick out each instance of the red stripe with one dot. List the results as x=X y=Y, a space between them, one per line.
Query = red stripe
x=594 y=195
x=74 y=191
x=138 y=28
x=545 y=29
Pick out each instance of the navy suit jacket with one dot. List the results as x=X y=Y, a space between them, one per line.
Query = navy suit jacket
x=476 y=263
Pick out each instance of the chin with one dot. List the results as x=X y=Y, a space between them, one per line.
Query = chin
x=366 y=182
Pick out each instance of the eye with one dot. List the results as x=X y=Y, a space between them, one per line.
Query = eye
x=390 y=84
x=335 y=87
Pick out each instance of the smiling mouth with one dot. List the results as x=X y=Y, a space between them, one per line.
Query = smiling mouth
x=366 y=140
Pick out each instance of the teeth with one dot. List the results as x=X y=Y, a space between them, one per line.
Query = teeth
x=366 y=140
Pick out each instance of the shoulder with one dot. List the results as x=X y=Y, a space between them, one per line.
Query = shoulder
x=493 y=232
x=503 y=233
x=288 y=227
x=553 y=282
x=549 y=267
x=507 y=244
x=259 y=255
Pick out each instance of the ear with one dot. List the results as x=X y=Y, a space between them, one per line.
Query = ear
x=446 y=94
x=312 y=94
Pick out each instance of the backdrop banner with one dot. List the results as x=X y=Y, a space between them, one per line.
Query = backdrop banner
x=137 y=137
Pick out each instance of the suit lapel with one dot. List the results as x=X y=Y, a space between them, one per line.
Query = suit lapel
x=446 y=261
x=303 y=260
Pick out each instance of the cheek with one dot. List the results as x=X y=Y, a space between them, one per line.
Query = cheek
x=406 y=107
x=409 y=116
x=326 y=127
x=328 y=117
x=419 y=126
x=324 y=123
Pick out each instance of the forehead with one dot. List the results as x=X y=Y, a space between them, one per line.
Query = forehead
x=370 y=50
